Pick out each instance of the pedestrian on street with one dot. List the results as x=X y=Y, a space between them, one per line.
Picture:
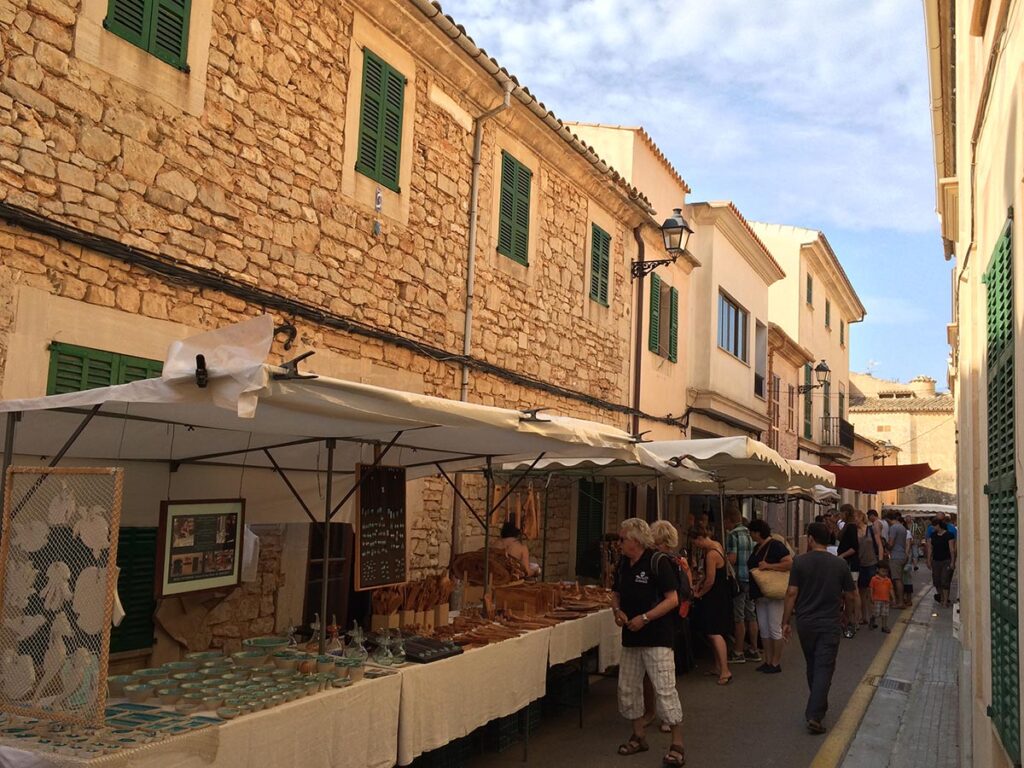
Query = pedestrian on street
x=738 y=547
x=818 y=583
x=869 y=552
x=713 y=609
x=942 y=560
x=645 y=598
x=882 y=594
x=898 y=555
x=770 y=555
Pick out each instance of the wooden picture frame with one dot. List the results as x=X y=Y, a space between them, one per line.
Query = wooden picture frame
x=387 y=486
x=199 y=546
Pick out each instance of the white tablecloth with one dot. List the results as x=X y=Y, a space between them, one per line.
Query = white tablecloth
x=448 y=699
x=570 y=639
x=609 y=650
x=351 y=727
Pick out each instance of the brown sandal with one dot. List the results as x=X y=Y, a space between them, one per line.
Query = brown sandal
x=676 y=755
x=634 y=745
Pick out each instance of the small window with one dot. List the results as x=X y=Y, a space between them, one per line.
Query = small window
x=791 y=409
x=663 y=336
x=828 y=313
x=514 y=209
x=600 y=250
x=842 y=333
x=842 y=401
x=884 y=428
x=732 y=327
x=808 y=405
x=380 y=121
x=157 y=26
x=75 y=369
x=810 y=290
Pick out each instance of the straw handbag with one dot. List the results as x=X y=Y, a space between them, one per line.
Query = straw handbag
x=773 y=584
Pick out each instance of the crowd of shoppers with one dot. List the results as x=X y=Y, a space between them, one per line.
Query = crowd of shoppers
x=747 y=592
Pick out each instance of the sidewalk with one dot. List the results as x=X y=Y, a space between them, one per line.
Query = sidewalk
x=913 y=717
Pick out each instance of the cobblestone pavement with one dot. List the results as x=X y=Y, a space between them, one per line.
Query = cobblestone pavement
x=914 y=723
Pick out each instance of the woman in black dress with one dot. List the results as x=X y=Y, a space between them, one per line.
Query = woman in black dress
x=712 y=611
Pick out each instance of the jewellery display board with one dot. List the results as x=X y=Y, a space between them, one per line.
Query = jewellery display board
x=200 y=545
x=58 y=575
x=380 y=527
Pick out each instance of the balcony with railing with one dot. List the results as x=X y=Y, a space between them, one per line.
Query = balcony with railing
x=837 y=434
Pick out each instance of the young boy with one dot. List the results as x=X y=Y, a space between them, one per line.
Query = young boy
x=908 y=586
x=881 y=595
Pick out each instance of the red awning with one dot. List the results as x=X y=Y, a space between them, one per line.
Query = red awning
x=881 y=478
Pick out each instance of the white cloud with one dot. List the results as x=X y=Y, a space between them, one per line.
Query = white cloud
x=801 y=111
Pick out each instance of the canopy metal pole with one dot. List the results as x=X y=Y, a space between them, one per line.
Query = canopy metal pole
x=331 y=443
x=12 y=421
x=489 y=475
x=721 y=511
x=544 y=540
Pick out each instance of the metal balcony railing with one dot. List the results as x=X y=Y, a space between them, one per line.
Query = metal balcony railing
x=836 y=432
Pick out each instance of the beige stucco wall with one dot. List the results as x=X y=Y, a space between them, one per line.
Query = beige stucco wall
x=997 y=165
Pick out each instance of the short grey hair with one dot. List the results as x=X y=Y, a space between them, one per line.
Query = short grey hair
x=638 y=530
x=664 y=534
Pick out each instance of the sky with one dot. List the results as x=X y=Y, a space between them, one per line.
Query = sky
x=801 y=112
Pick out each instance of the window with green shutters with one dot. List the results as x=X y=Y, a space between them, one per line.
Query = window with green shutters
x=74 y=369
x=663 y=319
x=673 y=324
x=654 y=316
x=514 y=209
x=380 y=121
x=1001 y=490
x=842 y=333
x=136 y=557
x=600 y=255
x=157 y=26
x=810 y=290
x=589 y=528
x=808 y=405
x=828 y=313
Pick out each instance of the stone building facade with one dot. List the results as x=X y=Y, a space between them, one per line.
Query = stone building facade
x=141 y=202
x=918 y=421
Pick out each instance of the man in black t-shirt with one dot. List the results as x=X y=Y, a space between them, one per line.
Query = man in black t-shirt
x=644 y=599
x=819 y=582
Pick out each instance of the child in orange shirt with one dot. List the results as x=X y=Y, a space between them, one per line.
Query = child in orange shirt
x=881 y=595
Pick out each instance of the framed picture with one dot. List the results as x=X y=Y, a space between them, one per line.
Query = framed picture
x=200 y=545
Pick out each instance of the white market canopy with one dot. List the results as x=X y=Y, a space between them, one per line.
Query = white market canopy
x=636 y=472
x=735 y=463
x=921 y=510
x=247 y=406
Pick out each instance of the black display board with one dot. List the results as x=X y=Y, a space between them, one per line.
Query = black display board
x=380 y=527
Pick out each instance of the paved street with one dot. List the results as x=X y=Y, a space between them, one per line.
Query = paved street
x=758 y=719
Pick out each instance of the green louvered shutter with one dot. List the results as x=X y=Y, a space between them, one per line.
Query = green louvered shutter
x=673 y=324
x=589 y=527
x=380 y=121
x=600 y=262
x=514 y=209
x=808 y=405
x=130 y=20
x=137 y=368
x=136 y=557
x=1001 y=490
x=74 y=369
x=654 y=316
x=168 y=39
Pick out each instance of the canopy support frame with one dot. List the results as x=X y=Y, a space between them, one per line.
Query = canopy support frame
x=287 y=482
x=458 y=492
x=325 y=581
x=378 y=456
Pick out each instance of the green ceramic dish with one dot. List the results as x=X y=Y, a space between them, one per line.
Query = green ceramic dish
x=116 y=683
x=150 y=673
x=138 y=692
x=169 y=695
x=213 y=701
x=192 y=687
x=181 y=666
x=201 y=656
x=266 y=643
x=188 y=677
x=250 y=658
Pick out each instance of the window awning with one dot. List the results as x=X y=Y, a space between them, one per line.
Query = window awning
x=881 y=478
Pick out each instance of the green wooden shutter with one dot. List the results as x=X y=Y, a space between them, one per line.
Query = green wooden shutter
x=673 y=324
x=808 y=405
x=842 y=333
x=168 y=39
x=1001 y=490
x=654 y=334
x=810 y=289
x=136 y=557
x=74 y=369
x=828 y=313
x=137 y=368
x=514 y=209
x=589 y=527
x=380 y=121
x=600 y=261
x=130 y=20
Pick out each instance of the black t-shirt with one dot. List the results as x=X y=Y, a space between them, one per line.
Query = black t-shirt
x=639 y=590
x=774 y=552
x=822 y=578
x=940 y=545
x=848 y=539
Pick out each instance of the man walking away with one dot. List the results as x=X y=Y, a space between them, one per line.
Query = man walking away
x=818 y=583
x=898 y=555
x=738 y=548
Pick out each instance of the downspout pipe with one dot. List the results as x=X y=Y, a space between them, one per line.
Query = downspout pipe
x=474 y=194
x=639 y=331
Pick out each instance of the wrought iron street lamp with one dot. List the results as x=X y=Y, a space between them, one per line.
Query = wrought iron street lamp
x=676 y=234
x=822 y=374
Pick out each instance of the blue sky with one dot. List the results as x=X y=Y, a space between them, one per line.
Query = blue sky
x=801 y=112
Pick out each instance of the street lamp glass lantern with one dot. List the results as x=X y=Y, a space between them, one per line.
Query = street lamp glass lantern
x=822 y=373
x=676 y=232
